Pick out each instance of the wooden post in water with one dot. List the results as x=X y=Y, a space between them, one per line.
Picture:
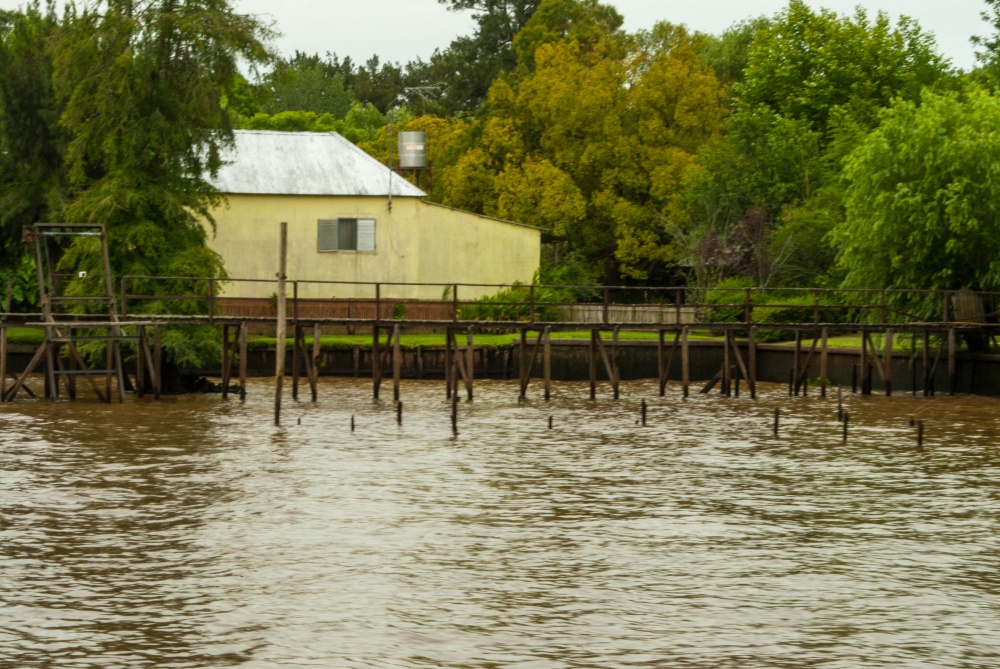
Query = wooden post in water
x=752 y=362
x=865 y=366
x=925 y=365
x=314 y=363
x=824 y=360
x=685 y=362
x=397 y=362
x=298 y=349
x=952 y=368
x=470 y=363
x=522 y=362
x=3 y=361
x=547 y=363
x=157 y=361
x=726 y=388
x=376 y=361
x=225 y=362
x=797 y=361
x=449 y=361
x=888 y=363
x=243 y=360
x=140 y=363
x=593 y=364
x=616 y=380
x=281 y=323
x=661 y=363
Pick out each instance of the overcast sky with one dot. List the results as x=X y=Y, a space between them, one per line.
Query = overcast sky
x=401 y=30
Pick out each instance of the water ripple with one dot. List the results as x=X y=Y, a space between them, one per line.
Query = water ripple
x=192 y=533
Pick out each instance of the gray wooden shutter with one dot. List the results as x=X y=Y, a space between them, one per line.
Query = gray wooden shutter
x=366 y=234
x=327 y=234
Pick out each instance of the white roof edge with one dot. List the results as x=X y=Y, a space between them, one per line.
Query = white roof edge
x=488 y=218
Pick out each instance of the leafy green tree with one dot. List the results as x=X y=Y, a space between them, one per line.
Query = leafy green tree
x=305 y=83
x=989 y=55
x=144 y=86
x=923 y=197
x=32 y=177
x=463 y=73
x=806 y=64
x=728 y=54
x=812 y=88
x=361 y=124
x=590 y=137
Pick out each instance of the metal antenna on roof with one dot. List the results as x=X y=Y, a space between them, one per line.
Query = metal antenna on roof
x=390 y=161
x=399 y=98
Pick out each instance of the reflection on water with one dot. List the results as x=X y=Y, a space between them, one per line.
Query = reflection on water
x=192 y=533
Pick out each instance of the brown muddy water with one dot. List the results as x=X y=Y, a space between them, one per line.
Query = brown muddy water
x=193 y=533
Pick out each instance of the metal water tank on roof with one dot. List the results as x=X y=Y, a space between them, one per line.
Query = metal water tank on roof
x=412 y=150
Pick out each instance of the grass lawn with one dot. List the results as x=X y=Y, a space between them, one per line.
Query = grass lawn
x=432 y=340
x=31 y=336
x=901 y=343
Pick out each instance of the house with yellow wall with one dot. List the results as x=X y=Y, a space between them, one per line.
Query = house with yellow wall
x=353 y=221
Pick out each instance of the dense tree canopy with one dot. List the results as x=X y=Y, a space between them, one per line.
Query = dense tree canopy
x=923 y=197
x=811 y=88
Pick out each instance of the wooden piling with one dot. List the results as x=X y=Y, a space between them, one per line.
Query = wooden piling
x=314 y=363
x=797 y=361
x=243 y=360
x=865 y=366
x=140 y=363
x=952 y=368
x=397 y=362
x=685 y=362
x=298 y=346
x=593 y=364
x=661 y=363
x=376 y=361
x=726 y=388
x=157 y=361
x=925 y=365
x=282 y=322
x=847 y=419
x=547 y=363
x=616 y=373
x=823 y=363
x=109 y=354
x=752 y=362
x=225 y=362
x=741 y=370
x=522 y=361
x=3 y=361
x=470 y=363
x=887 y=368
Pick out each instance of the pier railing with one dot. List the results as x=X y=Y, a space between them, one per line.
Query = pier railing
x=556 y=304
x=205 y=299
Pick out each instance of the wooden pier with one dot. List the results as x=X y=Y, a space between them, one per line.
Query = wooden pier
x=670 y=314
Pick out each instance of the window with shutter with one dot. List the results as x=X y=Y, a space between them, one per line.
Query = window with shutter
x=327 y=235
x=366 y=234
x=346 y=234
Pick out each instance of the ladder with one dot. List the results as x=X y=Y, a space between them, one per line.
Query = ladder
x=64 y=326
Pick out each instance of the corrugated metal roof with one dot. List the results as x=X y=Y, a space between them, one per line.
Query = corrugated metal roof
x=266 y=162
